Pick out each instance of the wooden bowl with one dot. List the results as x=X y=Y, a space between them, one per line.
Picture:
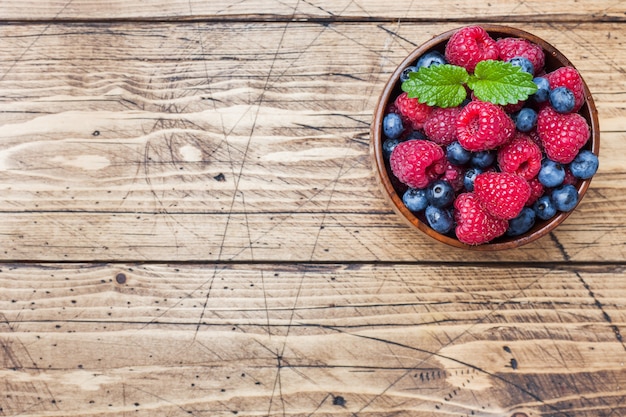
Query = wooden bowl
x=393 y=189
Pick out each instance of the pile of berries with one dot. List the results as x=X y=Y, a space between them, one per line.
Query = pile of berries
x=481 y=170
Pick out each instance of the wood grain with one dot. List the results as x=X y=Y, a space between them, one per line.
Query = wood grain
x=153 y=141
x=292 y=340
x=273 y=10
x=190 y=223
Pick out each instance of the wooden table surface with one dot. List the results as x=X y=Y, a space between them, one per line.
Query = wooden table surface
x=190 y=223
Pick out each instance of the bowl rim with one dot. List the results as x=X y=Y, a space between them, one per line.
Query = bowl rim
x=376 y=139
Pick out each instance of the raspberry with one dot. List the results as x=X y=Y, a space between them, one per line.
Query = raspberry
x=562 y=135
x=414 y=112
x=536 y=191
x=520 y=156
x=417 y=162
x=513 y=47
x=470 y=45
x=440 y=127
x=535 y=138
x=515 y=107
x=474 y=225
x=455 y=175
x=569 y=177
x=570 y=78
x=502 y=194
x=482 y=126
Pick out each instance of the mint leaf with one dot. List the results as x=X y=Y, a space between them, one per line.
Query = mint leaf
x=500 y=82
x=438 y=85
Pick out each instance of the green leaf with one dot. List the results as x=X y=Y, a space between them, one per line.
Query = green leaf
x=438 y=85
x=500 y=82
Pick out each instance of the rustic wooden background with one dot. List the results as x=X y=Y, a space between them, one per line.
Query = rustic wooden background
x=190 y=224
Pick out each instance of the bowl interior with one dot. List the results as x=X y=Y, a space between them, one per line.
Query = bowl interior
x=393 y=189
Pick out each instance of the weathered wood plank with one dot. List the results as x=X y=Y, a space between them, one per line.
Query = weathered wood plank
x=294 y=340
x=501 y=11
x=141 y=142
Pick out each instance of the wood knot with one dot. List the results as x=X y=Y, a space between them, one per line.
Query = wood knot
x=120 y=278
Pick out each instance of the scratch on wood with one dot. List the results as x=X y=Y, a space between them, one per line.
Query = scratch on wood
x=600 y=306
x=29 y=47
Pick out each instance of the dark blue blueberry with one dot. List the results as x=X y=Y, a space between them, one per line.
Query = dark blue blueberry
x=440 y=219
x=415 y=199
x=392 y=125
x=388 y=146
x=584 y=165
x=440 y=194
x=544 y=207
x=522 y=223
x=543 y=89
x=416 y=135
x=565 y=197
x=551 y=173
x=457 y=154
x=562 y=100
x=405 y=73
x=483 y=159
x=469 y=177
x=526 y=119
x=431 y=58
x=524 y=63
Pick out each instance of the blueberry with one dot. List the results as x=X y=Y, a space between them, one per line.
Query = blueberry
x=483 y=159
x=526 y=119
x=405 y=74
x=415 y=199
x=469 y=177
x=392 y=125
x=544 y=208
x=457 y=154
x=551 y=173
x=431 y=58
x=388 y=146
x=522 y=223
x=584 y=165
x=562 y=100
x=565 y=197
x=416 y=135
x=440 y=219
x=440 y=194
x=524 y=63
x=543 y=89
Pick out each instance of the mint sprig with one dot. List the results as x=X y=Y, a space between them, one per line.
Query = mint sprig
x=438 y=85
x=498 y=82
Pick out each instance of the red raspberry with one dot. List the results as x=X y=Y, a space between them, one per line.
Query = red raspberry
x=569 y=177
x=474 y=226
x=570 y=78
x=511 y=47
x=455 y=175
x=412 y=110
x=535 y=138
x=512 y=108
x=470 y=45
x=520 y=156
x=440 y=127
x=482 y=126
x=536 y=190
x=417 y=162
x=562 y=135
x=502 y=194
